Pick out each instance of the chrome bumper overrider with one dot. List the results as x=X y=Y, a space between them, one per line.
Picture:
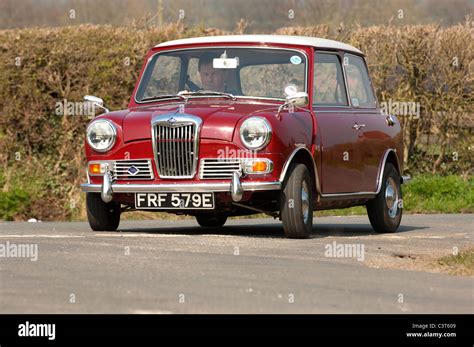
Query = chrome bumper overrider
x=235 y=187
x=405 y=179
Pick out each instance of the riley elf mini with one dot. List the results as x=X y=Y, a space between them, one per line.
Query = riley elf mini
x=237 y=125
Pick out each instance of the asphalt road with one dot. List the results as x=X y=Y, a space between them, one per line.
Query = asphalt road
x=245 y=267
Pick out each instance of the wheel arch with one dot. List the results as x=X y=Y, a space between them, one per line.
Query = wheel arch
x=390 y=156
x=304 y=156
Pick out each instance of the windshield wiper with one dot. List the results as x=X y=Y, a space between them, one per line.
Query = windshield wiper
x=170 y=96
x=206 y=92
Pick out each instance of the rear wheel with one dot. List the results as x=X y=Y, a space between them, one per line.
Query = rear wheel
x=211 y=220
x=385 y=210
x=102 y=216
x=297 y=203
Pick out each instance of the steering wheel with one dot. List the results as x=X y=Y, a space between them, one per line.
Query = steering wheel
x=193 y=87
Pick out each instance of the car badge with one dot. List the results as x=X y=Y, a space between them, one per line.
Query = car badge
x=133 y=170
x=171 y=120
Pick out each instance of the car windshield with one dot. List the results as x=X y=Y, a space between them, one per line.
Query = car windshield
x=252 y=72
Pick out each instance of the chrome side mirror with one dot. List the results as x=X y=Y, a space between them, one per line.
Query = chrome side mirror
x=96 y=101
x=299 y=99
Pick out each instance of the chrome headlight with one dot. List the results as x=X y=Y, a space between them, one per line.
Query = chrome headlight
x=101 y=135
x=255 y=133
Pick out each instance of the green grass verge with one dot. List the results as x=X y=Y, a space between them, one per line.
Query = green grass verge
x=459 y=264
x=428 y=194
x=438 y=194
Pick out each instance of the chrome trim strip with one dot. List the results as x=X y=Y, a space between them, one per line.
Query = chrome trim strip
x=288 y=162
x=367 y=111
x=382 y=168
x=183 y=187
x=335 y=195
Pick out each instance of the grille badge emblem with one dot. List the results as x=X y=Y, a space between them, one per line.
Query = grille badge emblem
x=133 y=170
x=171 y=120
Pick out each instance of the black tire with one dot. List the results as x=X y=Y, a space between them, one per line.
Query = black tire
x=295 y=224
x=102 y=216
x=211 y=220
x=383 y=218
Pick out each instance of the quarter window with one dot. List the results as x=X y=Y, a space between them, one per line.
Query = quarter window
x=360 y=87
x=329 y=86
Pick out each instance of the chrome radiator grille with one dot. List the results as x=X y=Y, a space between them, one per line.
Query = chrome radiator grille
x=138 y=169
x=219 y=168
x=175 y=144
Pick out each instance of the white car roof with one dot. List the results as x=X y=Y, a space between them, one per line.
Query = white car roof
x=285 y=39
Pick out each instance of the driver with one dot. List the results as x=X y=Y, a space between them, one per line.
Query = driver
x=212 y=79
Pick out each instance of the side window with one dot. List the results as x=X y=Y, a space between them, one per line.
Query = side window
x=164 y=78
x=360 y=89
x=270 y=80
x=328 y=86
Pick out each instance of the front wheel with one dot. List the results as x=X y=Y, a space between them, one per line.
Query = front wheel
x=297 y=203
x=385 y=210
x=211 y=220
x=102 y=216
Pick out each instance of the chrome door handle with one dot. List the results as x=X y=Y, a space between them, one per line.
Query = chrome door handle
x=358 y=126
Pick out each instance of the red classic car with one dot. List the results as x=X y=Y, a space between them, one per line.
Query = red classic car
x=236 y=125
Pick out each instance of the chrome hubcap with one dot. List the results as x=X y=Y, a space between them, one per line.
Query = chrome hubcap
x=305 y=201
x=391 y=197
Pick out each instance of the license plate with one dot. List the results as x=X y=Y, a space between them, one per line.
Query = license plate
x=179 y=201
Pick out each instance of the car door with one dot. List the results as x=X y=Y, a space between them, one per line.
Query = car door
x=369 y=125
x=340 y=169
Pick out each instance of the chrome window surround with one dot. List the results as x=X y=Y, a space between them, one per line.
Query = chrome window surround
x=224 y=47
x=343 y=70
x=370 y=80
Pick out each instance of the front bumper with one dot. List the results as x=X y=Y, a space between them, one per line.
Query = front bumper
x=235 y=187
